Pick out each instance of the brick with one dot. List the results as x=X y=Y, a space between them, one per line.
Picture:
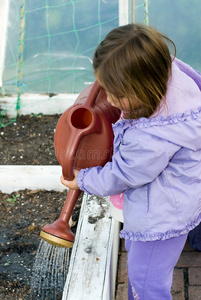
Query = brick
x=194 y=293
x=122 y=269
x=122 y=291
x=187 y=247
x=177 y=290
x=122 y=285
x=194 y=275
x=123 y=249
x=189 y=259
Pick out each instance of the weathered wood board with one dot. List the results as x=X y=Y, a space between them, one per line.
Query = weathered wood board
x=15 y=177
x=92 y=271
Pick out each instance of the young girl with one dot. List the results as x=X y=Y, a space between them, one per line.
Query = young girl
x=157 y=153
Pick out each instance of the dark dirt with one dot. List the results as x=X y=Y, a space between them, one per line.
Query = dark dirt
x=27 y=141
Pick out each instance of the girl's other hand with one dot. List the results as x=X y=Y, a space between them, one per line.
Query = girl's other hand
x=71 y=184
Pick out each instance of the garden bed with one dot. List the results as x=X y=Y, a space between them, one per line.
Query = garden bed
x=27 y=141
x=22 y=215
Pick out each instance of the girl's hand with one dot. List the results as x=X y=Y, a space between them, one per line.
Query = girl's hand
x=71 y=184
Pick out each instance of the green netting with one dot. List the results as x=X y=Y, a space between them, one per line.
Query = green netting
x=50 y=43
x=50 y=46
x=58 y=44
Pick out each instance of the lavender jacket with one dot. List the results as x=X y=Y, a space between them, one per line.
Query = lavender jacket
x=157 y=164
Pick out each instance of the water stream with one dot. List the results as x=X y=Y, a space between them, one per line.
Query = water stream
x=49 y=272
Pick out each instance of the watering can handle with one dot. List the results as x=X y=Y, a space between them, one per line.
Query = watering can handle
x=78 y=133
x=92 y=95
x=70 y=155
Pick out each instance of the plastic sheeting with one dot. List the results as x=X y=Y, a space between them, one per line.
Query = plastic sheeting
x=60 y=38
x=59 y=41
x=180 y=21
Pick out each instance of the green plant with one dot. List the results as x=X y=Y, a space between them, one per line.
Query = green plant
x=13 y=199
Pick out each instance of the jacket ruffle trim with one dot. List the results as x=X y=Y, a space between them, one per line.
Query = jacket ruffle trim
x=80 y=179
x=161 y=121
x=146 y=237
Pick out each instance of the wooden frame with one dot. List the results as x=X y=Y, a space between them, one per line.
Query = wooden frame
x=93 y=265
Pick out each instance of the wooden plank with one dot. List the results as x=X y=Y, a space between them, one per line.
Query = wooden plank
x=15 y=177
x=37 y=103
x=114 y=256
x=92 y=271
x=123 y=12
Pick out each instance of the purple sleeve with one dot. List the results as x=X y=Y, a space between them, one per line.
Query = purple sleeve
x=135 y=163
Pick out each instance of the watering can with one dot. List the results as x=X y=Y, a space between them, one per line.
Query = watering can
x=83 y=139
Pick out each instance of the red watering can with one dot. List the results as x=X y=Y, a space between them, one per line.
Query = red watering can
x=83 y=139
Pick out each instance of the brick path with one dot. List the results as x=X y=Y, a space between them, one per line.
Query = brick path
x=186 y=281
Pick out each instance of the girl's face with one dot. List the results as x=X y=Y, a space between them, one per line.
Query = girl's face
x=122 y=103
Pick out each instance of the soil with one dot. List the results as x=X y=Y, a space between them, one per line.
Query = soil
x=29 y=140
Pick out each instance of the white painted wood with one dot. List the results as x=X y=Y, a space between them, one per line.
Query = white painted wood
x=92 y=271
x=123 y=12
x=111 y=272
x=37 y=103
x=4 y=9
x=114 y=258
x=133 y=12
x=14 y=178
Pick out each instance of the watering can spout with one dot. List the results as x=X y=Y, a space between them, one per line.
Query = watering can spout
x=83 y=139
x=59 y=233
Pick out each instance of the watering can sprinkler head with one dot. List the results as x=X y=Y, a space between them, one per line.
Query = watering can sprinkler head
x=83 y=139
x=52 y=233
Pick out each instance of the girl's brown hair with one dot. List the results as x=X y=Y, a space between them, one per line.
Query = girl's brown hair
x=134 y=61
